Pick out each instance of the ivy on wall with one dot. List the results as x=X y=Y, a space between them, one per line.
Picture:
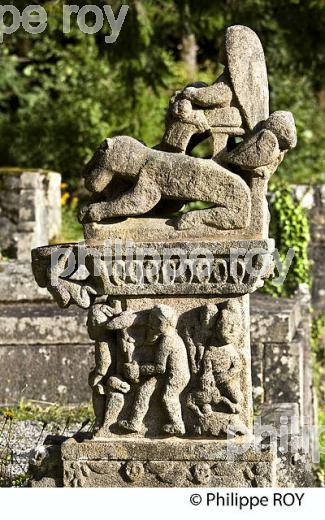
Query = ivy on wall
x=290 y=229
x=318 y=352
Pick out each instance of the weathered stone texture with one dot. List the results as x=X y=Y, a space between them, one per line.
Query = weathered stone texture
x=172 y=367
x=162 y=463
x=100 y=270
x=52 y=373
x=30 y=324
x=17 y=283
x=281 y=354
x=44 y=354
x=294 y=467
x=129 y=179
x=286 y=358
x=30 y=210
x=274 y=320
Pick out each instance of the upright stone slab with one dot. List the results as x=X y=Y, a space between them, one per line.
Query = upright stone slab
x=167 y=286
x=30 y=211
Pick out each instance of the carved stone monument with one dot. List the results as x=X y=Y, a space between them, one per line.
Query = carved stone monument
x=174 y=245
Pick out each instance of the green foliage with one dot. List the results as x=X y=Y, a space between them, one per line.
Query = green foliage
x=321 y=422
x=317 y=330
x=318 y=350
x=290 y=229
x=48 y=413
x=71 y=229
x=61 y=95
x=56 y=91
x=306 y=163
x=51 y=415
x=21 y=480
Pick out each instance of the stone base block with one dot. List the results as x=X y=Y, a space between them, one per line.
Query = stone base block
x=173 y=462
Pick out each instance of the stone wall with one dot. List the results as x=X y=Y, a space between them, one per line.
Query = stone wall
x=30 y=215
x=30 y=211
x=45 y=353
x=281 y=355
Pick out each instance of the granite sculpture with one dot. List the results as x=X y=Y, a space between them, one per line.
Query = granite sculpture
x=171 y=383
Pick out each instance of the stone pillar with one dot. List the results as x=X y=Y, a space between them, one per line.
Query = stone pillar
x=167 y=286
x=30 y=210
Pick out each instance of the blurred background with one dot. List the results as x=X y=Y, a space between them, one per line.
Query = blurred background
x=62 y=94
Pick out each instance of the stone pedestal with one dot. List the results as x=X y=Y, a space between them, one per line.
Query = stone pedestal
x=166 y=463
x=172 y=421
x=133 y=462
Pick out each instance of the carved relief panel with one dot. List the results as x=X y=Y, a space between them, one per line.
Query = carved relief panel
x=170 y=370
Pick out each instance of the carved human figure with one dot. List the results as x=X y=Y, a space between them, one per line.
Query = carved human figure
x=223 y=364
x=170 y=366
x=106 y=379
x=208 y=399
x=219 y=381
x=105 y=350
x=199 y=333
x=236 y=104
x=202 y=109
x=224 y=360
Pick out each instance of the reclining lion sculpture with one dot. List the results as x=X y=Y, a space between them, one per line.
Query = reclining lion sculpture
x=156 y=174
x=236 y=105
